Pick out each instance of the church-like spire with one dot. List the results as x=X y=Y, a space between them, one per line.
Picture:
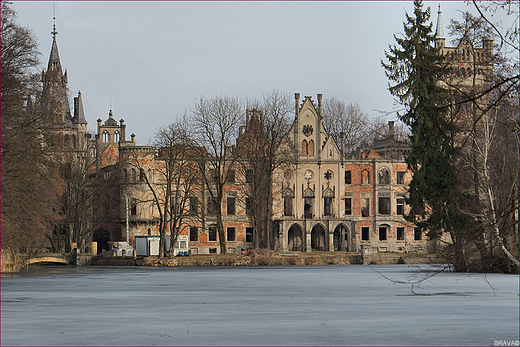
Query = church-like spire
x=54 y=59
x=439 y=33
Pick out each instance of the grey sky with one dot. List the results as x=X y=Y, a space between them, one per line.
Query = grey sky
x=150 y=61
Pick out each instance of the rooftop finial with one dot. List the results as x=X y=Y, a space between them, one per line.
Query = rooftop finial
x=54 y=32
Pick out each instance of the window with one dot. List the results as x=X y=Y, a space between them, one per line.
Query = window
x=212 y=234
x=384 y=176
x=382 y=234
x=230 y=177
x=348 y=206
x=288 y=206
x=365 y=207
x=116 y=136
x=133 y=207
x=400 y=234
x=400 y=206
x=400 y=177
x=132 y=175
x=365 y=233
x=384 y=205
x=194 y=234
x=305 y=148
x=142 y=177
x=231 y=234
x=348 y=177
x=230 y=206
x=249 y=206
x=249 y=234
x=417 y=234
x=364 y=177
x=194 y=206
x=327 y=206
x=105 y=136
x=212 y=205
x=311 y=148
x=249 y=176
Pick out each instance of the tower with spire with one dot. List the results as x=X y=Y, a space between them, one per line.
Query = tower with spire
x=55 y=101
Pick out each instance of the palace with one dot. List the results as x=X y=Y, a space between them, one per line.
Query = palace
x=321 y=200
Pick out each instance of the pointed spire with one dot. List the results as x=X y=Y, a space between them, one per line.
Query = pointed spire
x=79 y=115
x=54 y=59
x=439 y=33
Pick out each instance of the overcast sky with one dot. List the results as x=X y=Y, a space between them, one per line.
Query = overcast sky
x=150 y=61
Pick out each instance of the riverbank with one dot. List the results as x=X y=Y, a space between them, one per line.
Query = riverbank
x=269 y=258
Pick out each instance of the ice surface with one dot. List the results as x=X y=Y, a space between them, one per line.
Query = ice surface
x=296 y=305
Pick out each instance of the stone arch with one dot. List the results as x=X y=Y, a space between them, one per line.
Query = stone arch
x=318 y=239
x=341 y=238
x=295 y=239
x=383 y=231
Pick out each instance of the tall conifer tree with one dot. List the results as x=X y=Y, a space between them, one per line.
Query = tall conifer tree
x=414 y=70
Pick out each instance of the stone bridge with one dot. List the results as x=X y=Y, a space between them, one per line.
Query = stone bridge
x=56 y=258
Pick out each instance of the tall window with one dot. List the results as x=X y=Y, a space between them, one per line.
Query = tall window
x=305 y=147
x=230 y=177
x=288 y=206
x=384 y=176
x=384 y=205
x=212 y=234
x=383 y=233
x=348 y=177
x=230 y=206
x=142 y=177
x=231 y=234
x=400 y=206
x=133 y=207
x=400 y=177
x=194 y=206
x=310 y=150
x=105 y=136
x=365 y=207
x=348 y=206
x=327 y=207
x=249 y=206
x=249 y=176
x=249 y=234
x=417 y=234
x=400 y=234
x=116 y=136
x=365 y=233
x=364 y=177
x=212 y=205
x=194 y=234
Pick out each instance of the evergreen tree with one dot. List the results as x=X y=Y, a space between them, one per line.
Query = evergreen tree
x=414 y=70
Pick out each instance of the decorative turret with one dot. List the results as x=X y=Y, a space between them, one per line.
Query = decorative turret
x=79 y=115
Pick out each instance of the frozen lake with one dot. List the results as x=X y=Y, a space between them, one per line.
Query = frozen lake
x=298 y=305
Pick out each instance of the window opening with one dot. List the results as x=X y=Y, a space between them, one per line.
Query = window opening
x=384 y=205
x=348 y=206
x=212 y=234
x=400 y=234
x=194 y=234
x=231 y=234
x=365 y=233
x=230 y=206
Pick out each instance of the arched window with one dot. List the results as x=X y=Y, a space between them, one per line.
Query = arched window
x=74 y=144
x=124 y=174
x=384 y=176
x=132 y=175
x=105 y=136
x=310 y=149
x=116 y=136
x=66 y=140
x=93 y=151
x=305 y=149
x=364 y=177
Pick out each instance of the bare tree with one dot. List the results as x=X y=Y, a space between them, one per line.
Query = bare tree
x=172 y=180
x=216 y=122
x=30 y=180
x=268 y=121
x=349 y=119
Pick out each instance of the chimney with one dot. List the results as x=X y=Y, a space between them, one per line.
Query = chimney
x=391 y=130
x=297 y=104
x=122 y=125
x=133 y=138
x=342 y=135
x=319 y=105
